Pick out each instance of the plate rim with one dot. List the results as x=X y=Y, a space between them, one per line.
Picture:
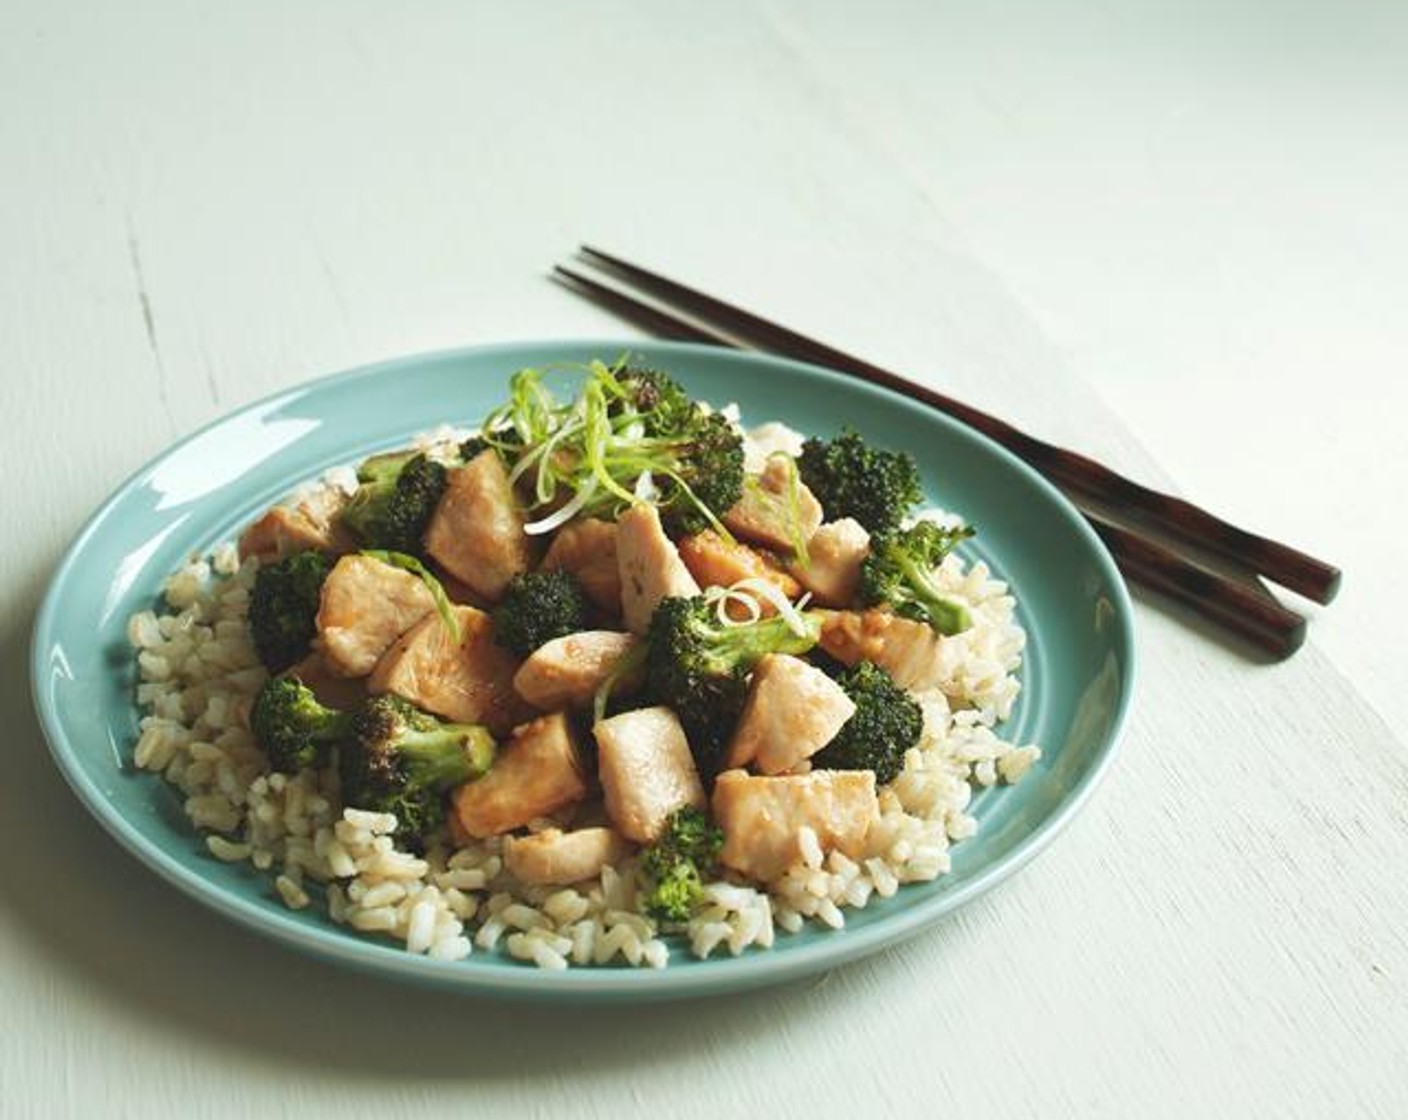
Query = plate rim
x=715 y=976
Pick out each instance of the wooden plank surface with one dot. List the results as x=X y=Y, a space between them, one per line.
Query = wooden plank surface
x=1165 y=240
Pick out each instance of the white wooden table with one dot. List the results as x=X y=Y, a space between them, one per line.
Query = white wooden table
x=1175 y=239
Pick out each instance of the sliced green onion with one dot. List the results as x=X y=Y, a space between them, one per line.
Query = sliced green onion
x=794 y=512
x=768 y=591
x=565 y=514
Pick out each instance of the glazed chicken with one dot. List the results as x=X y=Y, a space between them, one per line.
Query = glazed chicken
x=555 y=858
x=587 y=549
x=477 y=532
x=469 y=681
x=834 y=556
x=793 y=710
x=311 y=522
x=646 y=770
x=716 y=562
x=650 y=566
x=537 y=773
x=762 y=817
x=566 y=672
x=366 y=605
x=907 y=650
x=776 y=508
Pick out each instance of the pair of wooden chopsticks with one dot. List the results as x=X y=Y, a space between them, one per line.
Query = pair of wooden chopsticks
x=1164 y=543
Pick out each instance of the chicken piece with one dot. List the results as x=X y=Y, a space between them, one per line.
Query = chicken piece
x=556 y=858
x=909 y=651
x=365 y=606
x=767 y=513
x=767 y=440
x=762 y=817
x=646 y=771
x=468 y=682
x=477 y=531
x=459 y=592
x=834 y=556
x=793 y=710
x=539 y=772
x=650 y=567
x=310 y=523
x=566 y=672
x=587 y=549
x=715 y=561
x=332 y=691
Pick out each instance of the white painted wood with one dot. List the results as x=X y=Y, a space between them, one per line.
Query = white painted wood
x=1174 y=238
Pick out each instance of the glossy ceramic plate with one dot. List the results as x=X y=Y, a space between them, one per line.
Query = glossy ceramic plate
x=1073 y=604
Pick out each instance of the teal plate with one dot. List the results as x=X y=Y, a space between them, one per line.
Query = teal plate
x=1077 y=673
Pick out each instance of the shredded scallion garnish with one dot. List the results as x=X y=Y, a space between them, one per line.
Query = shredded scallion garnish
x=605 y=450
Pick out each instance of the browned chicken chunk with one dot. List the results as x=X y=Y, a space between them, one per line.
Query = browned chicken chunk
x=331 y=690
x=651 y=568
x=587 y=549
x=539 y=772
x=553 y=857
x=907 y=650
x=834 y=557
x=646 y=770
x=286 y=529
x=467 y=682
x=477 y=531
x=762 y=817
x=768 y=514
x=793 y=710
x=459 y=592
x=715 y=561
x=566 y=672
x=366 y=605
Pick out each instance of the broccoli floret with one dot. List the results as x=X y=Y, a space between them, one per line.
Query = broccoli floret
x=538 y=607
x=663 y=405
x=394 y=501
x=699 y=667
x=698 y=455
x=708 y=472
x=885 y=724
x=898 y=574
x=283 y=607
x=852 y=479
x=676 y=865
x=292 y=727
x=401 y=760
x=472 y=448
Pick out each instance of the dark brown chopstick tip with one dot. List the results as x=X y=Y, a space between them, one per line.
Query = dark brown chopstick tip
x=1331 y=587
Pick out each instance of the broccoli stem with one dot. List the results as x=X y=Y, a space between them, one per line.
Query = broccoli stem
x=746 y=645
x=947 y=616
x=447 y=756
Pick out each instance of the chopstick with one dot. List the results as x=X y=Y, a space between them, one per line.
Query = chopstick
x=1184 y=524
x=1243 y=608
x=1246 y=610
